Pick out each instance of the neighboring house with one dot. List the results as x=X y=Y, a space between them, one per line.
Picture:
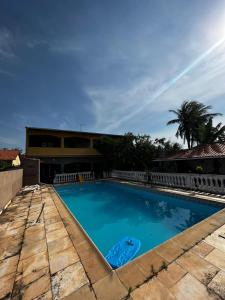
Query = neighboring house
x=210 y=158
x=64 y=151
x=9 y=158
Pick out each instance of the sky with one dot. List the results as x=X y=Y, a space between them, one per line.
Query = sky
x=107 y=65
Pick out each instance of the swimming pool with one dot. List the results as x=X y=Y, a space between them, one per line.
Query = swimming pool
x=109 y=211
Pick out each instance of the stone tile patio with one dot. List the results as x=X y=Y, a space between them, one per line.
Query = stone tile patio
x=45 y=255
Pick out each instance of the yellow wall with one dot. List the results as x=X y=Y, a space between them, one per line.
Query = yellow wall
x=60 y=151
x=48 y=151
x=16 y=162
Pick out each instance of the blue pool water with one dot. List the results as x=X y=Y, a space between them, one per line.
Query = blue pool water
x=108 y=212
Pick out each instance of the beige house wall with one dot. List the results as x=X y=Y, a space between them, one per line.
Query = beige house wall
x=10 y=184
x=16 y=162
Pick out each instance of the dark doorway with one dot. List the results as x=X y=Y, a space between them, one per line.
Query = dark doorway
x=77 y=167
x=48 y=171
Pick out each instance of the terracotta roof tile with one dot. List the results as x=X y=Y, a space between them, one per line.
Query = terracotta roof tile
x=8 y=154
x=206 y=151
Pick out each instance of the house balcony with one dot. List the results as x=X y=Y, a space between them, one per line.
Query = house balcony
x=60 y=152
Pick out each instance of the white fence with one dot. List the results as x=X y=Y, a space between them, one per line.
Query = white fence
x=72 y=177
x=211 y=183
x=172 y=179
x=130 y=175
x=202 y=182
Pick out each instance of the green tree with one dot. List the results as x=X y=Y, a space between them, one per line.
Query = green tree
x=166 y=147
x=144 y=152
x=108 y=147
x=207 y=133
x=4 y=165
x=189 y=117
x=133 y=152
x=125 y=155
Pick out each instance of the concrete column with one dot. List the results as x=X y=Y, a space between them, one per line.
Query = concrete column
x=91 y=143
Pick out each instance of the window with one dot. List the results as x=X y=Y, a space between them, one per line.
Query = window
x=76 y=142
x=44 y=141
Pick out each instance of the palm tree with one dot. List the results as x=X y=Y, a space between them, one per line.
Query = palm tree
x=208 y=134
x=190 y=116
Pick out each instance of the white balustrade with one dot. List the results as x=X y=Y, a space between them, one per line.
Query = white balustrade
x=211 y=183
x=130 y=175
x=181 y=180
x=208 y=183
x=72 y=177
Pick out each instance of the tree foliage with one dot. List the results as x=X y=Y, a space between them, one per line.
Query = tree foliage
x=5 y=165
x=191 y=117
x=134 y=152
x=208 y=134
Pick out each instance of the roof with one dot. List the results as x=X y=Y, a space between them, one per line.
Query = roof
x=73 y=131
x=8 y=154
x=215 y=150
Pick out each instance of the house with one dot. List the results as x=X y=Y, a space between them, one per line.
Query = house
x=9 y=158
x=64 y=151
x=208 y=159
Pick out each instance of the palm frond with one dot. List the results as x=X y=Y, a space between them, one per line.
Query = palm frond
x=173 y=111
x=174 y=121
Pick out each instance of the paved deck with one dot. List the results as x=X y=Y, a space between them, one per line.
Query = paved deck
x=49 y=257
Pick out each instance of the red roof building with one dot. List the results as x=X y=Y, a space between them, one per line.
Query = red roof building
x=216 y=150
x=210 y=157
x=8 y=154
x=9 y=157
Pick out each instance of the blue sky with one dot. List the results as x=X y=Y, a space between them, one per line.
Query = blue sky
x=115 y=66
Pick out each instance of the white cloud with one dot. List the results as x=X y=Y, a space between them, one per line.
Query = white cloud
x=203 y=79
x=35 y=42
x=6 y=73
x=8 y=141
x=63 y=125
x=66 y=46
x=6 y=43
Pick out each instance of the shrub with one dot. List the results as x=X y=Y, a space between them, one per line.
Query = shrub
x=4 y=165
x=199 y=169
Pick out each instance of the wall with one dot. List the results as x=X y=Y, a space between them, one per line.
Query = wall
x=10 y=184
x=54 y=152
x=37 y=152
x=16 y=162
x=60 y=151
x=31 y=171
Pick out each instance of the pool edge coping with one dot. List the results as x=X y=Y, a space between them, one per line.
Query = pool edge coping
x=154 y=249
x=83 y=230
